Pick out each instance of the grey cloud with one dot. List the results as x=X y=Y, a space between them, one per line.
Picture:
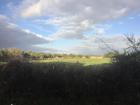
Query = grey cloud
x=13 y=36
x=96 y=10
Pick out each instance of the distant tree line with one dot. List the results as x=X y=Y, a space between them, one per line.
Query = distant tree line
x=7 y=54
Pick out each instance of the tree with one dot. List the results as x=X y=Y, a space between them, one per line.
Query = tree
x=14 y=52
x=111 y=54
x=133 y=43
x=4 y=54
x=131 y=54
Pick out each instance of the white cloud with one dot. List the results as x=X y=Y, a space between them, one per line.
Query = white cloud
x=76 y=17
x=98 y=45
x=70 y=27
x=100 y=31
x=97 y=10
x=33 y=10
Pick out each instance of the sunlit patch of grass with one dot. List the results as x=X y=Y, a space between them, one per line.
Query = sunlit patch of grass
x=84 y=61
x=2 y=63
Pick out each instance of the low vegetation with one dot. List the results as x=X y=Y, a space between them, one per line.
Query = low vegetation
x=14 y=53
x=10 y=54
x=67 y=83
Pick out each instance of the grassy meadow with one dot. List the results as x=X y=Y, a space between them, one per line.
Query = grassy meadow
x=85 y=61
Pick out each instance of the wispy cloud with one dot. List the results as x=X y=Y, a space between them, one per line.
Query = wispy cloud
x=120 y=22
x=131 y=18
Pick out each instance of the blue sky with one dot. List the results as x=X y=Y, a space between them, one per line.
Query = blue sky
x=68 y=26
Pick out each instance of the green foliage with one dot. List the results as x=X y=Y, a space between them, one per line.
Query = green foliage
x=12 y=53
x=131 y=54
x=8 y=54
x=68 y=84
x=111 y=54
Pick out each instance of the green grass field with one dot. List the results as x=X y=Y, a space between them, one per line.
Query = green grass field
x=84 y=61
x=2 y=63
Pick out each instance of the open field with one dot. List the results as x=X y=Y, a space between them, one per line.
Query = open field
x=84 y=61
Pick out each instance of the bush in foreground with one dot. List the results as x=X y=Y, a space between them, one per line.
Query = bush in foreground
x=69 y=84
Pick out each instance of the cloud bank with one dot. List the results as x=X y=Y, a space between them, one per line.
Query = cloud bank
x=76 y=17
x=13 y=36
x=96 y=10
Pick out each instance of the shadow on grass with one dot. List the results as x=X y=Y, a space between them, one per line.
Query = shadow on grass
x=62 y=83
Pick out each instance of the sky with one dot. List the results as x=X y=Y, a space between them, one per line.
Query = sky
x=68 y=26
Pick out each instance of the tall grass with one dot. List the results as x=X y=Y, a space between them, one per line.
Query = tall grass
x=70 y=83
